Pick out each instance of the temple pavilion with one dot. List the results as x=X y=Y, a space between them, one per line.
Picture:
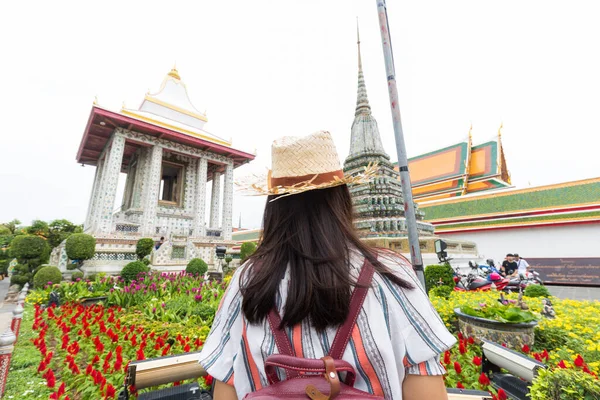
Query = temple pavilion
x=460 y=169
x=169 y=158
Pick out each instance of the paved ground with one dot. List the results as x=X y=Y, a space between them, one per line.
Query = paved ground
x=575 y=293
x=5 y=309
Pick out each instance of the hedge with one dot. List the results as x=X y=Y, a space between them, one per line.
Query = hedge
x=80 y=246
x=46 y=275
x=144 y=247
x=196 y=266
x=433 y=274
x=131 y=271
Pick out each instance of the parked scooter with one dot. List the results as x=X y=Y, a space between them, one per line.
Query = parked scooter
x=473 y=281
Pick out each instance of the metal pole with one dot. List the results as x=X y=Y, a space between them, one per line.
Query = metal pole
x=409 y=206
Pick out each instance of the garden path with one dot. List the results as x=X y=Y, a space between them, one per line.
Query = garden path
x=575 y=292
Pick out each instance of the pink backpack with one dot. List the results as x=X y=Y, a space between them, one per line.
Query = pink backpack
x=313 y=378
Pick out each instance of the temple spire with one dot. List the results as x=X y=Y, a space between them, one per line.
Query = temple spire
x=362 y=102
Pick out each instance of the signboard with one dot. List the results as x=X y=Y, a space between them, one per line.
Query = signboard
x=568 y=271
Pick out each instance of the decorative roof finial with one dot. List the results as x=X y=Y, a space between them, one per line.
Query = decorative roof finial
x=500 y=130
x=95 y=100
x=174 y=73
x=362 y=102
x=470 y=132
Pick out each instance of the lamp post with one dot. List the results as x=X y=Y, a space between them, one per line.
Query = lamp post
x=409 y=205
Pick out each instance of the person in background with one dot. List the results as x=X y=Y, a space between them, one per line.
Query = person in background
x=159 y=243
x=510 y=265
x=522 y=265
x=304 y=270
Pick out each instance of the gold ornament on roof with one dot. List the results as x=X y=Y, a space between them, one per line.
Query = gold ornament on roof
x=174 y=73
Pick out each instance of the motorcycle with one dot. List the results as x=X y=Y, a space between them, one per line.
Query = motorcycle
x=515 y=283
x=474 y=282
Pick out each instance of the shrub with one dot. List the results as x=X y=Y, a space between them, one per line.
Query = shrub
x=4 y=231
x=76 y=275
x=433 y=274
x=246 y=250
x=196 y=266
x=228 y=259
x=45 y=275
x=441 y=291
x=145 y=261
x=92 y=277
x=20 y=279
x=144 y=247
x=132 y=270
x=29 y=247
x=564 y=384
x=549 y=338
x=536 y=291
x=80 y=246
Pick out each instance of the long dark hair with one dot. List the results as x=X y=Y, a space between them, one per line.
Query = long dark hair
x=313 y=233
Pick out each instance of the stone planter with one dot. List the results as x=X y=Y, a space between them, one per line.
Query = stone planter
x=515 y=336
x=89 y=301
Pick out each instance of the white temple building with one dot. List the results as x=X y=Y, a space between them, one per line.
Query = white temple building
x=169 y=157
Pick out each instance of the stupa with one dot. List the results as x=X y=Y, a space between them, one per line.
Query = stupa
x=379 y=205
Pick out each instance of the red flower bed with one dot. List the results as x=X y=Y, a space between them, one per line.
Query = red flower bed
x=85 y=351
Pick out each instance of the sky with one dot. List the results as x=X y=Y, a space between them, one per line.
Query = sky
x=264 y=69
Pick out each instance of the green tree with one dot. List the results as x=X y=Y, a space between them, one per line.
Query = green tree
x=61 y=229
x=39 y=228
x=31 y=251
x=5 y=230
x=196 y=266
x=80 y=247
x=247 y=250
x=12 y=225
x=144 y=247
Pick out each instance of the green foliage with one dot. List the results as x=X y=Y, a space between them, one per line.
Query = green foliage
x=61 y=229
x=132 y=270
x=28 y=247
x=549 y=338
x=145 y=261
x=38 y=228
x=144 y=247
x=12 y=225
x=433 y=274
x=564 y=384
x=4 y=230
x=228 y=259
x=5 y=240
x=441 y=291
x=246 y=250
x=508 y=314
x=25 y=382
x=45 y=275
x=76 y=275
x=80 y=246
x=20 y=279
x=92 y=277
x=196 y=266
x=536 y=291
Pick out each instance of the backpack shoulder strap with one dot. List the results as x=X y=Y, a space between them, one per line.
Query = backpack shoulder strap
x=344 y=332
x=342 y=337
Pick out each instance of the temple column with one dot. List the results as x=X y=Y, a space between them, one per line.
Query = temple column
x=128 y=188
x=108 y=189
x=94 y=194
x=215 y=200
x=140 y=171
x=200 y=204
x=151 y=188
x=227 y=225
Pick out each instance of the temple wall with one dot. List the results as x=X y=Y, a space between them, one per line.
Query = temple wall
x=539 y=242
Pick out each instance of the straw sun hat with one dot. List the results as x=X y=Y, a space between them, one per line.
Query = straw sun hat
x=300 y=164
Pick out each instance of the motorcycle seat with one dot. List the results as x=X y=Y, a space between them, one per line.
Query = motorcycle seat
x=479 y=283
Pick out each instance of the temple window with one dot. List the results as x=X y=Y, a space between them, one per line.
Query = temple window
x=171 y=184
